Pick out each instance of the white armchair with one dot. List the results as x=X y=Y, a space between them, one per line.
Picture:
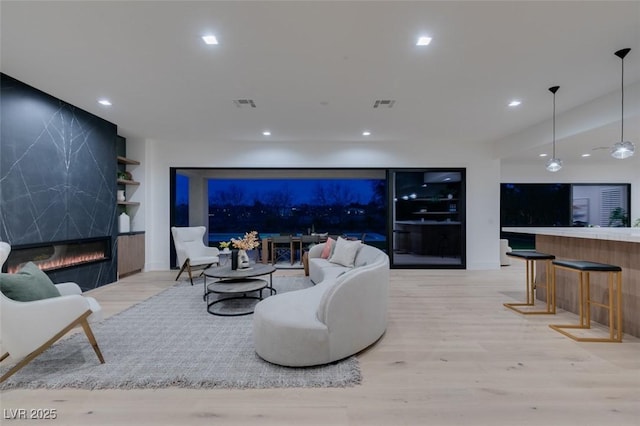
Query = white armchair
x=29 y=328
x=191 y=251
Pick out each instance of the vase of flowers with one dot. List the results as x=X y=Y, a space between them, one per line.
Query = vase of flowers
x=243 y=259
x=224 y=246
x=248 y=242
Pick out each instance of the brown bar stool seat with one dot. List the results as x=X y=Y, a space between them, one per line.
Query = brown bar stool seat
x=530 y=257
x=585 y=268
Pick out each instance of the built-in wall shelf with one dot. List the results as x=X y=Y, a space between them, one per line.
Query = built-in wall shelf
x=435 y=212
x=435 y=200
x=127 y=182
x=125 y=160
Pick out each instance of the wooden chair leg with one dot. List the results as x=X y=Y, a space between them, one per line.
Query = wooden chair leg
x=81 y=320
x=184 y=266
x=92 y=339
x=189 y=271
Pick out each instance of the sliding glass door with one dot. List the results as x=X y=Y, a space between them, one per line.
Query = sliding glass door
x=417 y=216
x=427 y=218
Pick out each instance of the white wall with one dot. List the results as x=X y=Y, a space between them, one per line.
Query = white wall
x=484 y=174
x=483 y=177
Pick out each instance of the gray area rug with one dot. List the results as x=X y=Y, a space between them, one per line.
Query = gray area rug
x=171 y=340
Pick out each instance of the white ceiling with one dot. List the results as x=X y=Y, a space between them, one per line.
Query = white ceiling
x=314 y=69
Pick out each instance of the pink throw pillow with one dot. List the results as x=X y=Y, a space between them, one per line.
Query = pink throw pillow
x=326 y=251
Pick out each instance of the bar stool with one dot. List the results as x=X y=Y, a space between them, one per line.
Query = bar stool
x=530 y=258
x=585 y=268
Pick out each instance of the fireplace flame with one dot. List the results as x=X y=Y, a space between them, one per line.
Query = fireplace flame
x=62 y=262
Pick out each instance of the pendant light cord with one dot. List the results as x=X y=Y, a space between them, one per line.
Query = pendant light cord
x=622 y=103
x=554 y=124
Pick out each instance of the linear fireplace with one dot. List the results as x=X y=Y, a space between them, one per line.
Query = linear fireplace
x=60 y=255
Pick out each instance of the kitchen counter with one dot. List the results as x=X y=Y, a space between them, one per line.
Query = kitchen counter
x=610 y=234
x=615 y=246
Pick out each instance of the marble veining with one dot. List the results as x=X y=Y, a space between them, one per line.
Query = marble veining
x=631 y=235
x=57 y=173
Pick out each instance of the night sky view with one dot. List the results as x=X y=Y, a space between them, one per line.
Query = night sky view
x=302 y=190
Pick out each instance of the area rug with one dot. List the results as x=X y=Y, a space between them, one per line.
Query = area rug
x=171 y=340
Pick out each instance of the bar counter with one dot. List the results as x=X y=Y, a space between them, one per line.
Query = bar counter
x=615 y=246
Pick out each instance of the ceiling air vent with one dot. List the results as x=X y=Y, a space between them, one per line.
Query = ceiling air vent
x=242 y=103
x=384 y=103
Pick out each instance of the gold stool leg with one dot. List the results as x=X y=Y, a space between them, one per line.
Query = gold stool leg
x=585 y=282
x=619 y=299
x=611 y=307
x=551 y=281
x=530 y=290
x=585 y=303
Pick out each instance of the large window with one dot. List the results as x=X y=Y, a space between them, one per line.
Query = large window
x=231 y=202
x=344 y=206
x=415 y=215
x=561 y=204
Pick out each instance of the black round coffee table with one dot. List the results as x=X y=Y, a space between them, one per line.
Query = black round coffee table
x=237 y=284
x=236 y=290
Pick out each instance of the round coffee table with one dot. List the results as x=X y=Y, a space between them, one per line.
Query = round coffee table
x=237 y=283
x=237 y=290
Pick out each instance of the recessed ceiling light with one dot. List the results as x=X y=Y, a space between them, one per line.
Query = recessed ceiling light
x=423 y=41
x=366 y=133
x=514 y=103
x=543 y=155
x=210 y=39
x=266 y=133
x=104 y=102
x=586 y=155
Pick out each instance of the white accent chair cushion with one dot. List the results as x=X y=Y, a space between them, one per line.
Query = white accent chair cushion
x=191 y=252
x=190 y=245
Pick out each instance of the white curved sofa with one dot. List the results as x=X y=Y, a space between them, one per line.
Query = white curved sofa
x=345 y=312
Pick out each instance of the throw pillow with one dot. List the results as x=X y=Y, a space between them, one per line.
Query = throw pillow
x=28 y=284
x=326 y=250
x=345 y=252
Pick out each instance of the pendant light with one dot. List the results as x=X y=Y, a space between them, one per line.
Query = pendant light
x=623 y=149
x=554 y=164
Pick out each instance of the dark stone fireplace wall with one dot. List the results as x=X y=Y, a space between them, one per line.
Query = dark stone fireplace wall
x=57 y=176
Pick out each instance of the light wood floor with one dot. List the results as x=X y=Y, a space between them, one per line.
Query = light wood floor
x=452 y=355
